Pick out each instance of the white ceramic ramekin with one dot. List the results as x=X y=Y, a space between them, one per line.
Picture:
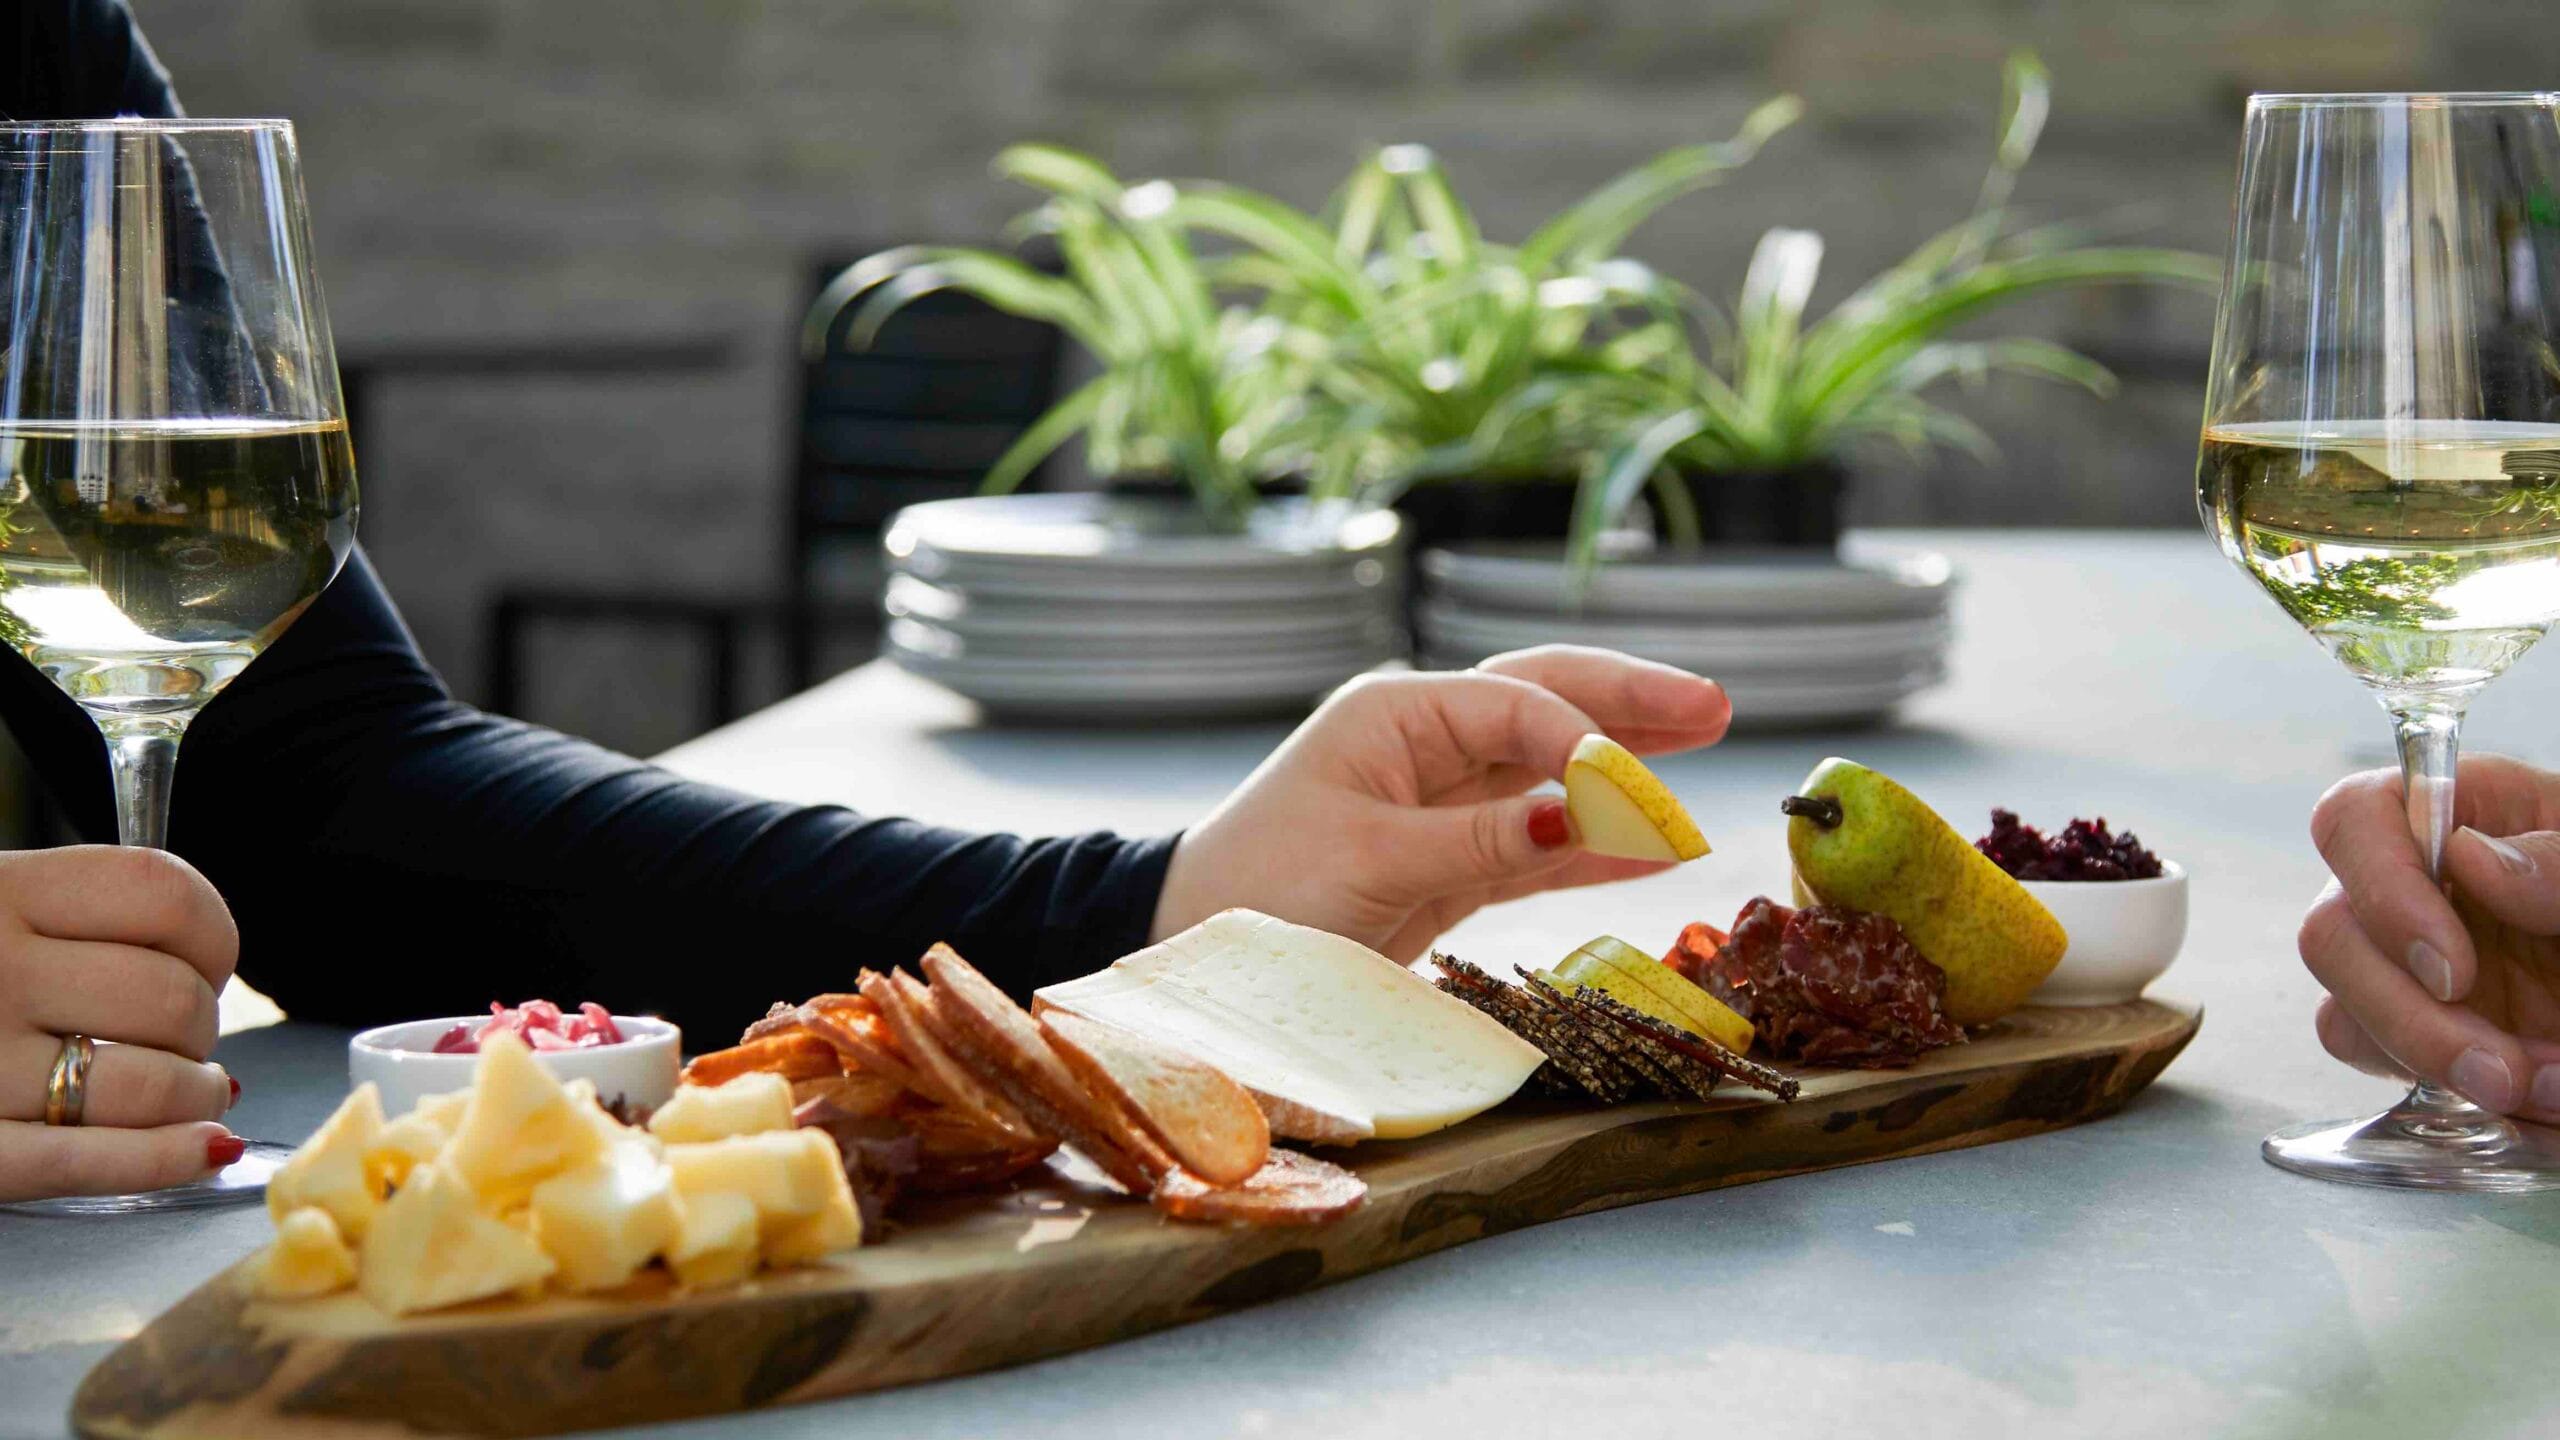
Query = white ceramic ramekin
x=2123 y=934
x=639 y=1073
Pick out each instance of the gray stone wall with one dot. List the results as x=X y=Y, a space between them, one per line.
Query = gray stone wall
x=546 y=169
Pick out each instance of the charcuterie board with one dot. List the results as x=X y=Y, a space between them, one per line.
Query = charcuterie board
x=1060 y=1266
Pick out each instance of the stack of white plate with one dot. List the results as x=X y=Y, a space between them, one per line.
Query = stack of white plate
x=1796 y=641
x=1097 y=608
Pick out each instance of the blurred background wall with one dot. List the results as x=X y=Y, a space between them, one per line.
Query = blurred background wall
x=563 y=182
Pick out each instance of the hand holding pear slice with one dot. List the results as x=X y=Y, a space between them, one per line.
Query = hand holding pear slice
x=1620 y=808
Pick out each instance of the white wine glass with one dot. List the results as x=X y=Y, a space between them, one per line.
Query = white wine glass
x=175 y=479
x=2381 y=452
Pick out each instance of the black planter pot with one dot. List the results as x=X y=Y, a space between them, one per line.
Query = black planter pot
x=1174 y=487
x=1786 y=509
x=1450 y=512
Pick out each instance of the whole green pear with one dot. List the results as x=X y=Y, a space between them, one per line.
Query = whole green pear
x=1861 y=840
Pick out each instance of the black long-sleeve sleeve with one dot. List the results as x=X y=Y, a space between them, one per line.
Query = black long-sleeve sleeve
x=390 y=852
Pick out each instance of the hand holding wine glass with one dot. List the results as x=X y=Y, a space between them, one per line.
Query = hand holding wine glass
x=175 y=488
x=2462 y=991
x=127 y=946
x=2381 y=453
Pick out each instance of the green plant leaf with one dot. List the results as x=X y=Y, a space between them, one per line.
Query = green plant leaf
x=1846 y=360
x=1059 y=170
x=1606 y=493
x=1973 y=360
x=1296 y=244
x=999 y=280
x=2026 y=101
x=1359 y=208
x=1043 y=436
x=1436 y=208
x=1601 y=221
x=1769 y=319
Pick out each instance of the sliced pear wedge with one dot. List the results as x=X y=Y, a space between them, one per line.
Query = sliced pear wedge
x=1619 y=808
x=1647 y=984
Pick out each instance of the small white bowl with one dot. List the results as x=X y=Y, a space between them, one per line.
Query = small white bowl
x=639 y=1073
x=2123 y=934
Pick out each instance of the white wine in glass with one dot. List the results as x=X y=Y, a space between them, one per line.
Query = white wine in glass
x=2381 y=453
x=175 y=480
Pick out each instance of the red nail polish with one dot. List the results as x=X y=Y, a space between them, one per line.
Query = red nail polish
x=221 y=1150
x=235 y=1088
x=1548 y=827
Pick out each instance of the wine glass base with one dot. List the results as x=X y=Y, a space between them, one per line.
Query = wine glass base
x=2413 y=1147
x=242 y=1181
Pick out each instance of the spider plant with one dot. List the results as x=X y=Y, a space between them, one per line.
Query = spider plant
x=1184 y=379
x=1772 y=393
x=1426 y=350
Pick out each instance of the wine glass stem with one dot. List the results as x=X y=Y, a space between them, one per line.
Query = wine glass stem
x=2430 y=736
x=144 y=757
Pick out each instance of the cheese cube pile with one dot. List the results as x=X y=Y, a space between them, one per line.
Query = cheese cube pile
x=521 y=1184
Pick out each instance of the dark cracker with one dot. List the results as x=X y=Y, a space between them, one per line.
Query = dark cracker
x=1557 y=1035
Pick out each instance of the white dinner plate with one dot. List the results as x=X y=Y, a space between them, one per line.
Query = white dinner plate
x=1764 y=702
x=943 y=642
x=1089 y=694
x=1085 y=532
x=1371 y=577
x=1532 y=578
x=970 y=613
x=1798 y=645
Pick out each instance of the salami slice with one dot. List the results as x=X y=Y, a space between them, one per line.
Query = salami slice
x=1289 y=1189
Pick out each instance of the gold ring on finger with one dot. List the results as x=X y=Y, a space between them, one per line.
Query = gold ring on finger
x=66 y=1092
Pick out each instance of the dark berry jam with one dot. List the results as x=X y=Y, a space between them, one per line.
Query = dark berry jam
x=2085 y=850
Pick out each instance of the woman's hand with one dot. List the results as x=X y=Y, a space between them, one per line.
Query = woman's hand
x=1402 y=805
x=2413 y=989
x=123 y=946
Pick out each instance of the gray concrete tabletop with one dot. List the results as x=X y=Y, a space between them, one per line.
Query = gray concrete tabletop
x=2144 y=1275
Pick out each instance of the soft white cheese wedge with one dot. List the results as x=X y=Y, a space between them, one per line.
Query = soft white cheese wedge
x=1337 y=1041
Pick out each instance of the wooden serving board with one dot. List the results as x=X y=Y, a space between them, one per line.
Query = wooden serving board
x=1059 y=1266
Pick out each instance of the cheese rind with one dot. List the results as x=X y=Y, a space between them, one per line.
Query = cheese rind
x=1319 y=1027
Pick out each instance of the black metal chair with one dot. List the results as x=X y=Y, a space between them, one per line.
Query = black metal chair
x=920 y=415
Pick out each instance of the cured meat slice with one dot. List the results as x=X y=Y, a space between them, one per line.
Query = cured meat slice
x=1003 y=1045
x=956 y=1153
x=1289 y=1189
x=1828 y=986
x=1207 y=1121
x=940 y=1078
x=880 y=1160
x=863 y=1038
x=841 y=1097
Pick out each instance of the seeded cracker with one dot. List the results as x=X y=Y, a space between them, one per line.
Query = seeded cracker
x=1619 y=1049
x=1705 y=1054
x=1616 y=1081
x=1692 y=1079
x=1590 y=1069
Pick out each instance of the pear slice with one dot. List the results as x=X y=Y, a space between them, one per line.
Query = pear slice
x=1639 y=980
x=1619 y=808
